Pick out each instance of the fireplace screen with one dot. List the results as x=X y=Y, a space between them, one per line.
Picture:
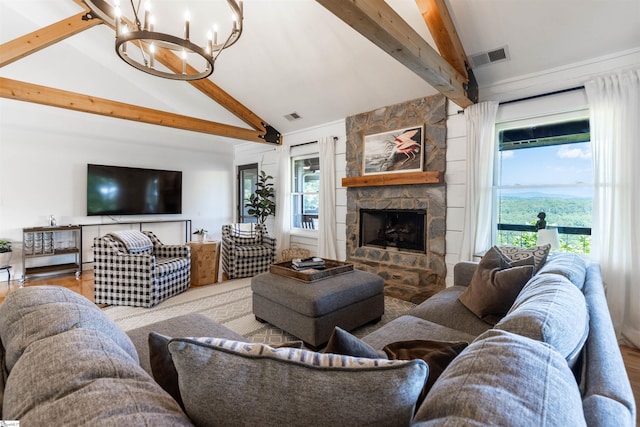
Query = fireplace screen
x=397 y=229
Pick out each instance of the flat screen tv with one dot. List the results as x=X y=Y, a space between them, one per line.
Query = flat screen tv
x=117 y=190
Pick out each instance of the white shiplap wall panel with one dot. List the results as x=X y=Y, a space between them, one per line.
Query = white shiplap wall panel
x=455 y=178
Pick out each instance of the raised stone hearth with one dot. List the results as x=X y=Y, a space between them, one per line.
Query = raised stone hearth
x=408 y=274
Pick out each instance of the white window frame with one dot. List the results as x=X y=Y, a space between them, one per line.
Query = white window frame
x=542 y=119
x=310 y=151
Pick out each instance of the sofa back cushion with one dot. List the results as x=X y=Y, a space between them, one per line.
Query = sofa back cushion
x=33 y=313
x=292 y=387
x=571 y=266
x=552 y=310
x=82 y=378
x=504 y=379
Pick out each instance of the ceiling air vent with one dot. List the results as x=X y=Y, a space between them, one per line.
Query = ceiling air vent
x=490 y=57
x=293 y=116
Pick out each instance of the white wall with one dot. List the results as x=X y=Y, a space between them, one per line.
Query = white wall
x=455 y=178
x=267 y=160
x=44 y=153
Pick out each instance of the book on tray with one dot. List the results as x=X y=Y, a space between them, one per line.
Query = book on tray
x=305 y=263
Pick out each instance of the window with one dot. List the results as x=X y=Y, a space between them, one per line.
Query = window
x=305 y=192
x=544 y=166
x=247 y=179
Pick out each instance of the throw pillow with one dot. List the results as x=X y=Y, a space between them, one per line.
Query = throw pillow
x=342 y=342
x=539 y=253
x=437 y=354
x=285 y=386
x=163 y=369
x=495 y=285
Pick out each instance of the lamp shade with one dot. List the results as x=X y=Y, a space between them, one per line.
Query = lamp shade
x=549 y=236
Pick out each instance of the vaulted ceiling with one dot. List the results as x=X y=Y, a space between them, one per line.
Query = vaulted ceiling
x=298 y=56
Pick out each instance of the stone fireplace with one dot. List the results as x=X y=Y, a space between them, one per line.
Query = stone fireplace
x=393 y=229
x=398 y=230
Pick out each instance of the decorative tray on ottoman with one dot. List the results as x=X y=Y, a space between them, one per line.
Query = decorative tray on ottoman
x=332 y=268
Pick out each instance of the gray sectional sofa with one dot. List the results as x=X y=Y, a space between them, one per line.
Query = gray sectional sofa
x=553 y=360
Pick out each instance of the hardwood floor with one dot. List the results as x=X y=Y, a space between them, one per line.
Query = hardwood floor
x=84 y=286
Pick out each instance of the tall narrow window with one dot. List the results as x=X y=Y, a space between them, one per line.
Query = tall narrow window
x=305 y=192
x=247 y=179
x=544 y=167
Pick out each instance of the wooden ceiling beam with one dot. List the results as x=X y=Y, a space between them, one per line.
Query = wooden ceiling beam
x=379 y=23
x=438 y=20
x=211 y=90
x=16 y=49
x=23 y=46
x=22 y=91
x=206 y=86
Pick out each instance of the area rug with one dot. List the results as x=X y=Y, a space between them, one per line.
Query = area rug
x=229 y=303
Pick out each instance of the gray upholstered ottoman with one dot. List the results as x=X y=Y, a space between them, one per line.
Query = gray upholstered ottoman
x=311 y=310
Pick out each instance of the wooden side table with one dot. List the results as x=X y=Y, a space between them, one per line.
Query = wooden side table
x=205 y=259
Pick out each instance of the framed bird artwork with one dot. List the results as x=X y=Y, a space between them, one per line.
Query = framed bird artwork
x=395 y=151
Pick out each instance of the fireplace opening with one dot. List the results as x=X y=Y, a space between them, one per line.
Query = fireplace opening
x=395 y=229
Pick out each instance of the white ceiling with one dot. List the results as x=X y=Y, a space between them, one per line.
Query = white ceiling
x=295 y=56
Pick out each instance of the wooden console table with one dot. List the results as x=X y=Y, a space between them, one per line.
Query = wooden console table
x=205 y=259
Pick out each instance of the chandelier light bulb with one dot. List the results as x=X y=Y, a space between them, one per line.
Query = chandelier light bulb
x=152 y=52
x=147 y=10
x=210 y=42
x=187 y=18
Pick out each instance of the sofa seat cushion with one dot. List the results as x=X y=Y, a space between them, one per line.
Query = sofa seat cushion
x=166 y=266
x=292 y=387
x=504 y=379
x=252 y=251
x=408 y=328
x=33 y=313
x=82 y=378
x=571 y=266
x=445 y=309
x=187 y=325
x=550 y=309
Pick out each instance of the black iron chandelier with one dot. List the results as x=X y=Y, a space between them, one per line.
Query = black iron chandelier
x=141 y=46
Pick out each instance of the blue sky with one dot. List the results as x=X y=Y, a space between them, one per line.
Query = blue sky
x=568 y=164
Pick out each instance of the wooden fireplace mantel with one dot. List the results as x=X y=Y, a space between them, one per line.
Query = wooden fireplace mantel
x=428 y=177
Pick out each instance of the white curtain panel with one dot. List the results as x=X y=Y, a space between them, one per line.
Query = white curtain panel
x=614 y=102
x=476 y=234
x=327 y=209
x=282 y=231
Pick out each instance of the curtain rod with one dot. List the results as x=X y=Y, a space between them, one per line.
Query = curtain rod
x=542 y=95
x=335 y=138
x=536 y=96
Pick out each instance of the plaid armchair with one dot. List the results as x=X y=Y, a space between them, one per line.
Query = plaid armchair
x=247 y=250
x=134 y=268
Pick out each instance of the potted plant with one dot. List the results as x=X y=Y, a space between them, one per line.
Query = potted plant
x=261 y=203
x=201 y=234
x=5 y=252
